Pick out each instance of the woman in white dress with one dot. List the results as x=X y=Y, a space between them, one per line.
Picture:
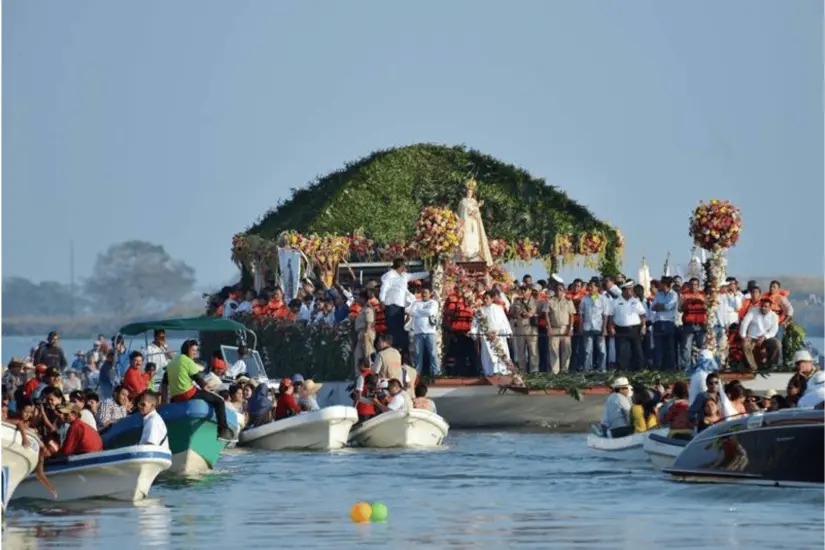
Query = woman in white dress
x=474 y=244
x=493 y=361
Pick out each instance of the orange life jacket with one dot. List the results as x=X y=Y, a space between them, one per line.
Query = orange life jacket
x=746 y=305
x=576 y=297
x=365 y=409
x=380 y=319
x=277 y=309
x=542 y=316
x=775 y=299
x=461 y=319
x=354 y=310
x=694 y=310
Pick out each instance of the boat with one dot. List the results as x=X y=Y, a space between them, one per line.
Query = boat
x=19 y=460
x=121 y=474
x=784 y=448
x=416 y=429
x=193 y=435
x=324 y=430
x=663 y=450
x=611 y=444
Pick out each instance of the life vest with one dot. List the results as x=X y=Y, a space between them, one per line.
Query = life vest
x=277 y=309
x=380 y=319
x=462 y=316
x=776 y=306
x=576 y=298
x=259 y=309
x=694 y=310
x=354 y=310
x=365 y=409
x=542 y=313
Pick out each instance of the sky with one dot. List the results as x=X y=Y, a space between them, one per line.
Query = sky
x=181 y=123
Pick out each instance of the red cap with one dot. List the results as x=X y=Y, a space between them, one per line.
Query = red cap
x=41 y=368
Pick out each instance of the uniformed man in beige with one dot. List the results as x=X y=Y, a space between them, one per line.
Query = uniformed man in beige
x=388 y=365
x=561 y=314
x=528 y=329
x=515 y=309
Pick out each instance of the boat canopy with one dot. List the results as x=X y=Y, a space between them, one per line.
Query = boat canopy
x=200 y=324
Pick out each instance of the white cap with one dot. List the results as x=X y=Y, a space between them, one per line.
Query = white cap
x=629 y=284
x=770 y=393
x=621 y=382
x=723 y=284
x=557 y=279
x=802 y=355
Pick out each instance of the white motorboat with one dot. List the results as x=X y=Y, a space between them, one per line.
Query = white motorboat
x=126 y=473
x=323 y=430
x=416 y=429
x=663 y=450
x=614 y=444
x=19 y=460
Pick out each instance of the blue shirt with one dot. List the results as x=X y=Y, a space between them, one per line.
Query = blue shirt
x=670 y=300
x=341 y=313
x=592 y=312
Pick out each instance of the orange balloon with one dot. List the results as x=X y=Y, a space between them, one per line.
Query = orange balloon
x=360 y=512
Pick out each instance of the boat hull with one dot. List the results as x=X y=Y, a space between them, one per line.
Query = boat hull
x=323 y=430
x=620 y=444
x=19 y=461
x=662 y=450
x=783 y=448
x=420 y=429
x=120 y=474
x=192 y=429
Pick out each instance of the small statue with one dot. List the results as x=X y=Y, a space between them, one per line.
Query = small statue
x=474 y=244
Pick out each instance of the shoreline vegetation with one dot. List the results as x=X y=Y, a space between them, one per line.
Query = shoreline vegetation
x=81 y=327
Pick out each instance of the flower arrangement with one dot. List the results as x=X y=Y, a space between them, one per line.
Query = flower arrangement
x=389 y=252
x=619 y=243
x=525 y=250
x=437 y=234
x=497 y=274
x=592 y=244
x=716 y=225
x=563 y=248
x=240 y=249
x=360 y=246
x=499 y=249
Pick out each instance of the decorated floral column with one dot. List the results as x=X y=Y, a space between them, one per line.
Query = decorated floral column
x=715 y=226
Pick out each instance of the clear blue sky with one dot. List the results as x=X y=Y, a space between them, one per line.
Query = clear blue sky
x=182 y=122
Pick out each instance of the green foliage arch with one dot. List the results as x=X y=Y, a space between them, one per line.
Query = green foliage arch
x=383 y=195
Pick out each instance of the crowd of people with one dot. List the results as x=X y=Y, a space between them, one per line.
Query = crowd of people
x=692 y=406
x=549 y=326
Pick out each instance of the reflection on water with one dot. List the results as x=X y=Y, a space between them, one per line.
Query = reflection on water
x=485 y=490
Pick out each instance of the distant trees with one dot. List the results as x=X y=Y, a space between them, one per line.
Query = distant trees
x=128 y=279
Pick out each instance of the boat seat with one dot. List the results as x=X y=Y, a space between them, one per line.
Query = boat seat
x=669 y=440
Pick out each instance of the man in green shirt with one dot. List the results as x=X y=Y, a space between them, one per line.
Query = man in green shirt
x=183 y=380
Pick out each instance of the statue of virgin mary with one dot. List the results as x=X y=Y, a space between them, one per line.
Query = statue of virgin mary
x=474 y=244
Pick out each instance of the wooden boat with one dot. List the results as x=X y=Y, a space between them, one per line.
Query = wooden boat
x=610 y=444
x=121 y=474
x=323 y=430
x=19 y=460
x=416 y=429
x=663 y=450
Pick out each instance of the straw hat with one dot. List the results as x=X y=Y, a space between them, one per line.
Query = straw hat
x=770 y=393
x=311 y=386
x=802 y=355
x=621 y=382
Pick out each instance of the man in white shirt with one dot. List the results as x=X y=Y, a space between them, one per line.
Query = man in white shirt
x=238 y=367
x=245 y=307
x=400 y=400
x=627 y=323
x=158 y=352
x=154 y=428
x=594 y=309
x=395 y=296
x=425 y=320
x=616 y=416
x=758 y=332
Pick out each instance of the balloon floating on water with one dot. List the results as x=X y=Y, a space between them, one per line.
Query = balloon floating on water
x=363 y=512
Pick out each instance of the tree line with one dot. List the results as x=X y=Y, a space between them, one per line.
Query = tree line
x=129 y=279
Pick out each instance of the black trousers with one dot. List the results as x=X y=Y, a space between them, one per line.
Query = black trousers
x=395 y=326
x=462 y=353
x=629 y=353
x=218 y=403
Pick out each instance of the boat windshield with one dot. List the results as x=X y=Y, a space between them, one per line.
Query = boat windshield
x=254 y=363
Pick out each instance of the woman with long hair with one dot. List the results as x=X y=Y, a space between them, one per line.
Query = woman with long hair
x=643 y=411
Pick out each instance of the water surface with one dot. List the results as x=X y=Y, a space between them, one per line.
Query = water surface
x=485 y=490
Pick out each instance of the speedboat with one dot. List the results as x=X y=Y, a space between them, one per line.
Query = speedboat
x=19 y=460
x=663 y=450
x=121 y=474
x=193 y=435
x=323 y=430
x=782 y=448
x=613 y=444
x=416 y=429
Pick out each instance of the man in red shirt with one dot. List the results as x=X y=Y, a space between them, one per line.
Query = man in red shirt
x=81 y=438
x=133 y=378
x=34 y=383
x=286 y=406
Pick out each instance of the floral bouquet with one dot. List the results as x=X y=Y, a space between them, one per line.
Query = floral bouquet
x=393 y=250
x=563 y=248
x=360 y=246
x=331 y=250
x=497 y=274
x=716 y=226
x=525 y=250
x=437 y=234
x=498 y=249
x=591 y=245
x=240 y=249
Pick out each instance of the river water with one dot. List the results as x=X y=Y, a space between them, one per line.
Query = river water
x=484 y=490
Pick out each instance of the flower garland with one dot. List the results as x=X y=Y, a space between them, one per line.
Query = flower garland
x=494 y=341
x=716 y=225
x=437 y=234
x=525 y=250
x=240 y=249
x=592 y=245
x=499 y=250
x=563 y=248
x=360 y=246
x=391 y=251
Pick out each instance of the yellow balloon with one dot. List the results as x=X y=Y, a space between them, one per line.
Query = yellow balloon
x=360 y=512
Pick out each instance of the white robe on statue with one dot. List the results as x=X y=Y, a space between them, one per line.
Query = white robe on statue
x=496 y=322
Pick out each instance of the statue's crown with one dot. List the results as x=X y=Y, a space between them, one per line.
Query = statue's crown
x=471 y=184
